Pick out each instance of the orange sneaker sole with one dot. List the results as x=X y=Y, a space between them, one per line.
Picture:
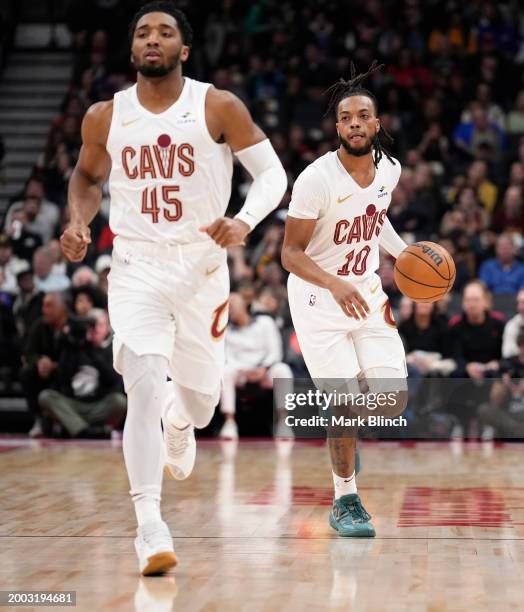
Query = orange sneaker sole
x=160 y=563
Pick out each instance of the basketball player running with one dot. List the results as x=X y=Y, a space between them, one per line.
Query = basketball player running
x=168 y=143
x=336 y=221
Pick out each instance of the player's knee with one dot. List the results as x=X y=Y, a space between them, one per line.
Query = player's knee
x=147 y=370
x=389 y=389
x=199 y=407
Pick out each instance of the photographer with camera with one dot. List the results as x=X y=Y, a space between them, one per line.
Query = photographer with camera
x=88 y=399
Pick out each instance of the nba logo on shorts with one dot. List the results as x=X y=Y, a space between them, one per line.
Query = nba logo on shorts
x=312 y=299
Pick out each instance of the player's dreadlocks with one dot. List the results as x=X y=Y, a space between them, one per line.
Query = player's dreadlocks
x=343 y=89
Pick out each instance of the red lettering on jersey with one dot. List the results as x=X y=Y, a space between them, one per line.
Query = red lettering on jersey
x=355 y=233
x=388 y=314
x=218 y=332
x=380 y=221
x=185 y=150
x=163 y=155
x=146 y=162
x=128 y=153
x=369 y=225
x=338 y=238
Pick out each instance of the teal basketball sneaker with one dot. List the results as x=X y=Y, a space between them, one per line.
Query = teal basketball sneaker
x=349 y=517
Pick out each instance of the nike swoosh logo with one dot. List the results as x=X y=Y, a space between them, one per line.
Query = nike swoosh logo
x=126 y=123
x=375 y=288
x=211 y=272
x=340 y=200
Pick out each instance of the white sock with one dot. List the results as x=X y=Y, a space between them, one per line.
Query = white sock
x=147 y=510
x=143 y=445
x=344 y=485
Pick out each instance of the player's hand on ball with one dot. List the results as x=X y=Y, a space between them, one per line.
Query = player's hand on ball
x=227 y=232
x=74 y=242
x=349 y=299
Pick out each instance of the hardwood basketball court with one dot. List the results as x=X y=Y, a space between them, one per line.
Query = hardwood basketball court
x=251 y=533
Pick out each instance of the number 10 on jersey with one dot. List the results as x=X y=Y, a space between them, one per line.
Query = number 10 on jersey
x=359 y=262
x=172 y=208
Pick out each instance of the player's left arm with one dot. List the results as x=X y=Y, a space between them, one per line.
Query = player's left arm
x=231 y=120
x=390 y=241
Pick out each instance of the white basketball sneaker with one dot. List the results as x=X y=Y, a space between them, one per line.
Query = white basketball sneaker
x=180 y=447
x=154 y=547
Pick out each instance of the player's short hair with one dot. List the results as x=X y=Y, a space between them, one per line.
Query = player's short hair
x=164 y=6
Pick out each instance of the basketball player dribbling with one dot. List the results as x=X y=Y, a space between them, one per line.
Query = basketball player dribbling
x=345 y=328
x=167 y=143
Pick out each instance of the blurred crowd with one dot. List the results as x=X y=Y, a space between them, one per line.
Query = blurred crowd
x=451 y=94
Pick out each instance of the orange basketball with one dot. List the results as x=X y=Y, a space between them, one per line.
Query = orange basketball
x=425 y=272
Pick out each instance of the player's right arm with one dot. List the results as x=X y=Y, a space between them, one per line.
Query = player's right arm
x=87 y=179
x=294 y=259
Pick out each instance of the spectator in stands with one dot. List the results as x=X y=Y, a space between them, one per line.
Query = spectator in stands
x=509 y=217
x=516 y=175
x=238 y=266
x=479 y=130
x=59 y=262
x=24 y=242
x=475 y=343
x=503 y=273
x=84 y=275
x=41 y=215
x=463 y=275
x=505 y=410
x=253 y=355
x=426 y=339
x=515 y=118
x=475 y=216
x=485 y=189
x=41 y=355
x=9 y=265
x=45 y=279
x=513 y=328
x=83 y=300
x=9 y=345
x=476 y=334
x=88 y=400
x=404 y=310
x=27 y=307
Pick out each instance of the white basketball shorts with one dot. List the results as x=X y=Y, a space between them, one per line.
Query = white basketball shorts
x=172 y=301
x=336 y=346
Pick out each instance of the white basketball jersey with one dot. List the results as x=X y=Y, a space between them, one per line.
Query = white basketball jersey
x=168 y=175
x=346 y=237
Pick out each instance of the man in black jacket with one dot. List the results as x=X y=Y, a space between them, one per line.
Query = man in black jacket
x=476 y=345
x=41 y=354
x=88 y=400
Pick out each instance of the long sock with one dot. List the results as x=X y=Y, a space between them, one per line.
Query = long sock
x=142 y=441
x=344 y=484
x=147 y=510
